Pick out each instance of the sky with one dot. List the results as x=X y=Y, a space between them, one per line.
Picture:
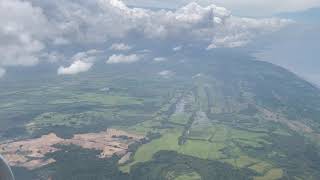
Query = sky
x=297 y=49
x=75 y=35
x=257 y=8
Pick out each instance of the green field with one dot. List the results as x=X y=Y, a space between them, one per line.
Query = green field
x=272 y=174
x=223 y=139
x=106 y=100
x=249 y=118
x=189 y=176
x=181 y=118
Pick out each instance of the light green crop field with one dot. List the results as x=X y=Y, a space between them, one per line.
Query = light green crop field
x=218 y=138
x=181 y=118
x=272 y=174
x=202 y=149
x=143 y=128
x=261 y=167
x=198 y=148
x=201 y=133
x=169 y=141
x=220 y=134
x=243 y=161
x=189 y=176
x=103 y=99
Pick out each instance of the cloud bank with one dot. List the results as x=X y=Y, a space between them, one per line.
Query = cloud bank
x=243 y=7
x=23 y=30
x=32 y=31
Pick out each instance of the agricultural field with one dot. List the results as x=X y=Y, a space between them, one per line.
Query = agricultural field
x=191 y=132
x=192 y=126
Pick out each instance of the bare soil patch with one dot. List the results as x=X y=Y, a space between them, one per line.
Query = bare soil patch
x=31 y=153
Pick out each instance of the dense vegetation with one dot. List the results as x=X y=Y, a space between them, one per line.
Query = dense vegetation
x=171 y=165
x=80 y=164
x=222 y=115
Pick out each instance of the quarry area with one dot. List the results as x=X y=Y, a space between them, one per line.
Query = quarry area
x=31 y=153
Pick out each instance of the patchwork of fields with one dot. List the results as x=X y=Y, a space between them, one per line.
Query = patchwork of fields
x=189 y=131
x=196 y=126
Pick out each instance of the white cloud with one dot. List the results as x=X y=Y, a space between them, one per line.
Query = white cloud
x=23 y=28
x=120 y=58
x=197 y=75
x=166 y=73
x=82 y=62
x=120 y=47
x=160 y=59
x=31 y=29
x=95 y=22
x=2 y=72
x=145 y=51
x=76 y=67
x=243 y=7
x=178 y=48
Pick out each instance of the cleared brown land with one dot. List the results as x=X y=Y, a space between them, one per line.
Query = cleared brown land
x=31 y=153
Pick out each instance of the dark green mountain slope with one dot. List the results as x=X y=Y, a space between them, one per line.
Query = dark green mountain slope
x=230 y=115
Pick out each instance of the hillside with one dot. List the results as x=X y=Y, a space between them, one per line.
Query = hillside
x=218 y=114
